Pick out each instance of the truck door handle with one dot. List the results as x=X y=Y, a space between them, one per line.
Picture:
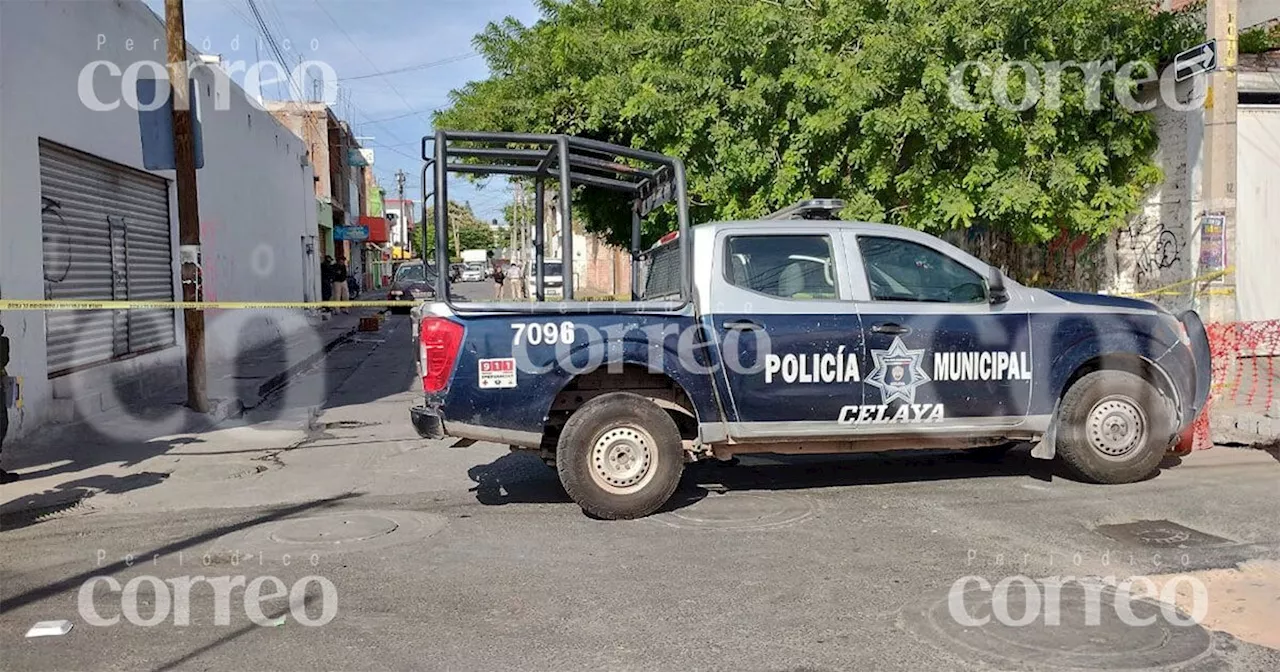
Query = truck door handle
x=891 y=329
x=742 y=325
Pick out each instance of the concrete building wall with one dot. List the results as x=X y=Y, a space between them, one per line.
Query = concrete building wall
x=608 y=268
x=1255 y=12
x=256 y=194
x=310 y=123
x=1252 y=12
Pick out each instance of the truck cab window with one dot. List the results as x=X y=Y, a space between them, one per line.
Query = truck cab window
x=900 y=270
x=788 y=267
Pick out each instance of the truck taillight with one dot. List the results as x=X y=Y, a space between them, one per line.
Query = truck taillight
x=438 y=342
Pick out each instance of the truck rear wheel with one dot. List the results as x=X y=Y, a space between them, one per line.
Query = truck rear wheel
x=1112 y=428
x=620 y=456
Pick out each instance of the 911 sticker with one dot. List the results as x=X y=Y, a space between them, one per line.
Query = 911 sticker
x=498 y=374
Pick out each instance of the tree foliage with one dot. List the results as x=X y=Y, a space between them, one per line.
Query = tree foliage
x=473 y=233
x=1260 y=39
x=772 y=101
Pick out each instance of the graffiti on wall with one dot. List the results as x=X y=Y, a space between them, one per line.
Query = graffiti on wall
x=57 y=243
x=1153 y=247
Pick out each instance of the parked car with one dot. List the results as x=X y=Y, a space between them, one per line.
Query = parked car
x=473 y=273
x=879 y=338
x=413 y=281
x=800 y=334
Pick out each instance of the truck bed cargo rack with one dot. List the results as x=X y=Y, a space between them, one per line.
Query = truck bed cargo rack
x=814 y=208
x=651 y=179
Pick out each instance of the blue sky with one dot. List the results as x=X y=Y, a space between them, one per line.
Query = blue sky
x=359 y=38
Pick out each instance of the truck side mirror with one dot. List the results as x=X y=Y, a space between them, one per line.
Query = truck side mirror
x=996 y=292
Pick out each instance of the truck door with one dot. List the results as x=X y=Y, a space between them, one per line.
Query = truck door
x=939 y=352
x=787 y=335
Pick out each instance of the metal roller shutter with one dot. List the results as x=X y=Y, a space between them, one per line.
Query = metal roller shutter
x=106 y=236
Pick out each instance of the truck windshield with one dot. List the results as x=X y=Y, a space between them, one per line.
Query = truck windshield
x=552 y=268
x=414 y=272
x=660 y=273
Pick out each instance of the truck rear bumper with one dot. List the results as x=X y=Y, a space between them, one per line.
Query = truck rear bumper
x=430 y=424
x=427 y=422
x=1203 y=363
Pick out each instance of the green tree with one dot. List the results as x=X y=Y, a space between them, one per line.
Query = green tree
x=1260 y=39
x=772 y=101
x=472 y=232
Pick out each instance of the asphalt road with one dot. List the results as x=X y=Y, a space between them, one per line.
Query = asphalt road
x=448 y=556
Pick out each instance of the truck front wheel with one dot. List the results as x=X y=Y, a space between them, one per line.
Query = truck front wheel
x=620 y=456
x=1113 y=427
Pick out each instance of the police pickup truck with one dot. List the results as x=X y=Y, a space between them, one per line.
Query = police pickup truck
x=808 y=336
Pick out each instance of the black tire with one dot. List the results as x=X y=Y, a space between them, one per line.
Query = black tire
x=643 y=432
x=1085 y=425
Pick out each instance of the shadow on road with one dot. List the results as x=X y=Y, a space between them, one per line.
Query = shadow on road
x=517 y=478
x=31 y=509
x=151 y=420
x=74 y=582
x=522 y=478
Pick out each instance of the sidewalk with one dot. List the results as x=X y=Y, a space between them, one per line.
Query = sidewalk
x=63 y=464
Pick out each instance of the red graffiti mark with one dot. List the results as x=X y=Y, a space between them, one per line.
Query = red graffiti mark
x=1073 y=245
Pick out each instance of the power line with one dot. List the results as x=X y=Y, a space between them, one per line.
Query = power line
x=378 y=122
x=275 y=47
x=391 y=85
x=248 y=22
x=411 y=68
x=402 y=116
x=397 y=151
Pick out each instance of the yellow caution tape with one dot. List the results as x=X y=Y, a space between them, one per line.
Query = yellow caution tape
x=9 y=304
x=46 y=304
x=1208 y=277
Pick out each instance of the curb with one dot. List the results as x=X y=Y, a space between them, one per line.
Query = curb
x=1245 y=428
x=282 y=380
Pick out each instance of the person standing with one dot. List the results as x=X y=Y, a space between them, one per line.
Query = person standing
x=326 y=279
x=5 y=476
x=498 y=278
x=515 y=278
x=340 y=290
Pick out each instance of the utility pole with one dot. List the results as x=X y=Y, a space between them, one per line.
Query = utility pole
x=184 y=155
x=1220 y=150
x=515 y=223
x=457 y=247
x=404 y=224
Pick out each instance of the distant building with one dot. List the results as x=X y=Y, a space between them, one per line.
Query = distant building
x=403 y=228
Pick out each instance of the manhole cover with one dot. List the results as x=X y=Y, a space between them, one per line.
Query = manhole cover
x=334 y=530
x=337 y=532
x=740 y=511
x=1088 y=629
x=1160 y=534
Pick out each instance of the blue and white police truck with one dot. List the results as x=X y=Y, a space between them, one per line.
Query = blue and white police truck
x=799 y=335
